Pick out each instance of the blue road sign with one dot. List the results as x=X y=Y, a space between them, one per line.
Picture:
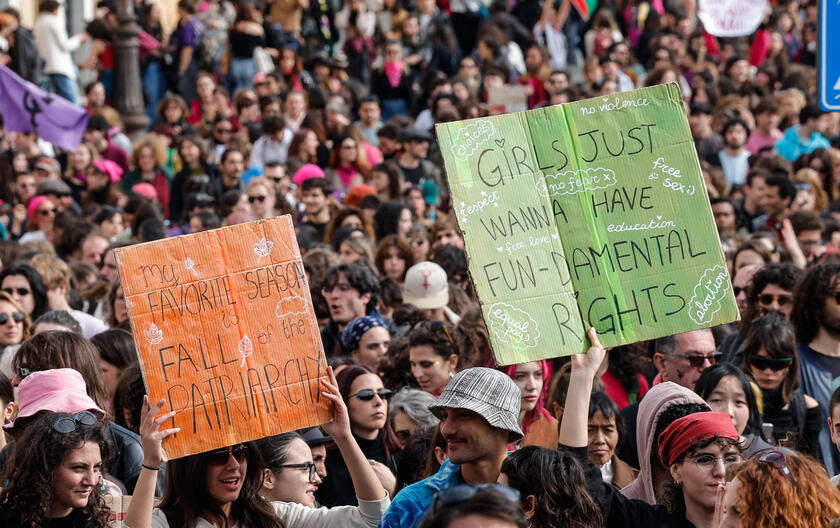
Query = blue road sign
x=829 y=66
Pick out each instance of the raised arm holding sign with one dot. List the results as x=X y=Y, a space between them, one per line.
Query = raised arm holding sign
x=592 y=213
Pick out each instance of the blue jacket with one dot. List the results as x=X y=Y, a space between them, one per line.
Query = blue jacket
x=816 y=383
x=791 y=146
x=411 y=503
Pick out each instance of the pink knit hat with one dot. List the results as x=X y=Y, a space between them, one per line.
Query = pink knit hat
x=307 y=172
x=55 y=390
x=145 y=189
x=109 y=168
x=34 y=203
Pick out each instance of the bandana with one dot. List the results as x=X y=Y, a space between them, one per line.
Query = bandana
x=353 y=332
x=678 y=437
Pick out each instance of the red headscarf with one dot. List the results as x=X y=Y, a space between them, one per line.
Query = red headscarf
x=678 y=437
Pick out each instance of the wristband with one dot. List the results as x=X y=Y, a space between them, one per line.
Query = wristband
x=151 y=468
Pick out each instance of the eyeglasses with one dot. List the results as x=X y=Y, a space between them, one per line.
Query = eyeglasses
x=342 y=287
x=367 y=394
x=260 y=198
x=708 y=462
x=313 y=469
x=463 y=492
x=68 y=425
x=697 y=361
x=774 y=364
x=779 y=461
x=17 y=317
x=46 y=212
x=435 y=326
x=783 y=299
x=23 y=292
x=221 y=456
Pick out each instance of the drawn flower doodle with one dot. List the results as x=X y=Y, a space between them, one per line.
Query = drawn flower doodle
x=153 y=335
x=263 y=248
x=246 y=348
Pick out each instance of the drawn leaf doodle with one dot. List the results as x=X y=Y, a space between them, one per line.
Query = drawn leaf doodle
x=190 y=265
x=246 y=348
x=263 y=248
x=153 y=335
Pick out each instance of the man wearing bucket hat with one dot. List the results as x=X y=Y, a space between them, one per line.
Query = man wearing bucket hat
x=478 y=411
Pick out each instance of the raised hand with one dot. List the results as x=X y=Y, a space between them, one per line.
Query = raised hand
x=592 y=359
x=151 y=436
x=339 y=426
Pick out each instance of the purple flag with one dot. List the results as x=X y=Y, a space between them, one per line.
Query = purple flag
x=27 y=108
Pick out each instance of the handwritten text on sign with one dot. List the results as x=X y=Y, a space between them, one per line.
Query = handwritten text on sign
x=226 y=332
x=587 y=214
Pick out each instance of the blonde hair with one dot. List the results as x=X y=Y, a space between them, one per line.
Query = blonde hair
x=152 y=142
x=53 y=270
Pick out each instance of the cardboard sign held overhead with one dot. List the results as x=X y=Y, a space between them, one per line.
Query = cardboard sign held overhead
x=592 y=213
x=226 y=332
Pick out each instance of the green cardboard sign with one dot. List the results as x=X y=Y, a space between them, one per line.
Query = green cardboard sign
x=592 y=213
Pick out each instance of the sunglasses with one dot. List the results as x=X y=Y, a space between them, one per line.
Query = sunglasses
x=767 y=299
x=779 y=461
x=368 y=394
x=260 y=198
x=23 y=292
x=463 y=492
x=69 y=424
x=221 y=456
x=46 y=212
x=698 y=361
x=436 y=326
x=774 y=364
x=17 y=317
x=737 y=290
x=313 y=470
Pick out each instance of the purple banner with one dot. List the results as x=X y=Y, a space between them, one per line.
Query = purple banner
x=27 y=108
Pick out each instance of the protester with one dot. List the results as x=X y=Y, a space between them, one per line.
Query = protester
x=433 y=356
x=539 y=426
x=366 y=339
x=605 y=431
x=409 y=410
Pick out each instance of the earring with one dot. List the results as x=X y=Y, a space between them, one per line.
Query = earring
x=451 y=374
x=677 y=483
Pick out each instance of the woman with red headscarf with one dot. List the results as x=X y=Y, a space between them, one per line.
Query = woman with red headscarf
x=539 y=426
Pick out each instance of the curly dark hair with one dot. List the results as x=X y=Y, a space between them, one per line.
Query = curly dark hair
x=554 y=478
x=808 y=301
x=359 y=277
x=27 y=499
x=784 y=275
x=442 y=337
x=186 y=490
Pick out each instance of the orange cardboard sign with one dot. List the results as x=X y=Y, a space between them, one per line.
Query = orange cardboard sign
x=226 y=332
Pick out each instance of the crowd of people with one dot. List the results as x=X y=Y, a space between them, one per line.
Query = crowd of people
x=324 y=110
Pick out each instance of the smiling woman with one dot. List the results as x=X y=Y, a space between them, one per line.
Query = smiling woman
x=55 y=476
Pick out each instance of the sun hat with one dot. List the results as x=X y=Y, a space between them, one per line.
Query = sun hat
x=487 y=392
x=55 y=390
x=426 y=286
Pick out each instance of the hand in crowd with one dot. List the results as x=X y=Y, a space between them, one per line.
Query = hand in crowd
x=151 y=435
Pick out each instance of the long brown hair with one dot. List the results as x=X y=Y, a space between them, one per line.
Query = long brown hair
x=345 y=379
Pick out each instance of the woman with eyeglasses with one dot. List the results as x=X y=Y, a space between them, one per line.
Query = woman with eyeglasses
x=539 y=426
x=778 y=489
x=367 y=406
x=769 y=357
x=728 y=390
x=14 y=330
x=433 y=353
x=261 y=198
x=227 y=487
x=41 y=214
x=54 y=478
x=695 y=450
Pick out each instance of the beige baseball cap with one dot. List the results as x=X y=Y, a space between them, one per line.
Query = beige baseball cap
x=426 y=286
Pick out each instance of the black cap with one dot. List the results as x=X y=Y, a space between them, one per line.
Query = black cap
x=314 y=437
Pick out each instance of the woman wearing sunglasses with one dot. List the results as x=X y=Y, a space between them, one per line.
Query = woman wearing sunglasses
x=769 y=356
x=225 y=487
x=261 y=198
x=367 y=406
x=41 y=214
x=55 y=475
x=778 y=489
x=14 y=330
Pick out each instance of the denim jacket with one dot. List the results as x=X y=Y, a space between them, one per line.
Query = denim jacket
x=411 y=502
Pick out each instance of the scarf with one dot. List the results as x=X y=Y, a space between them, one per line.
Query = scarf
x=394 y=72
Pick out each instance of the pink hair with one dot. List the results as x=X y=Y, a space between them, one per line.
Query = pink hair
x=547 y=372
